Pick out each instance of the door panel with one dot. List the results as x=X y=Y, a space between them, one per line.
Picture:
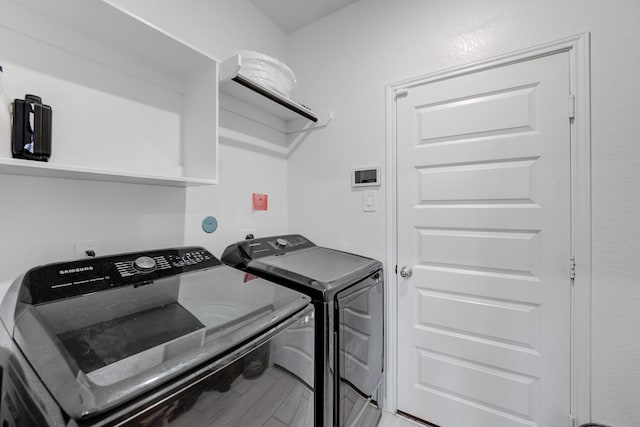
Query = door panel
x=506 y=181
x=487 y=250
x=484 y=221
x=471 y=117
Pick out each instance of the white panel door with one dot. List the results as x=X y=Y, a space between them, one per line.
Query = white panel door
x=483 y=220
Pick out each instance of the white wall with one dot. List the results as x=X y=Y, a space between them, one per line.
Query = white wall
x=343 y=63
x=219 y=28
x=242 y=172
x=42 y=219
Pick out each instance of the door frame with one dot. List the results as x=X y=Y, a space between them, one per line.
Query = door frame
x=578 y=47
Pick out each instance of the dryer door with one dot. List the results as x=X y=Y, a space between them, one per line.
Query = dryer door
x=361 y=344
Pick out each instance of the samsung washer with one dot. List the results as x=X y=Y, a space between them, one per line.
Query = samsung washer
x=154 y=338
x=347 y=341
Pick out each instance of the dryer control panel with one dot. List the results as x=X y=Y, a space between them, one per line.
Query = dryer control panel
x=275 y=245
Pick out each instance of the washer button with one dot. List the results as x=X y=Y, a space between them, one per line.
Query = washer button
x=281 y=243
x=144 y=263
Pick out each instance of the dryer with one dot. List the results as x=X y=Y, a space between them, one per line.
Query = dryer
x=346 y=343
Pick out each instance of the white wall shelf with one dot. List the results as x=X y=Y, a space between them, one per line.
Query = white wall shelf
x=243 y=88
x=48 y=170
x=130 y=102
x=247 y=99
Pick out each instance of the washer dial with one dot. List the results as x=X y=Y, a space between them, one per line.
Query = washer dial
x=144 y=263
x=281 y=243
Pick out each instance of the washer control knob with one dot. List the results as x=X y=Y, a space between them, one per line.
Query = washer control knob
x=281 y=243
x=144 y=263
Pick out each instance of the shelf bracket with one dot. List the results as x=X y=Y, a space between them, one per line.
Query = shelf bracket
x=230 y=68
x=300 y=125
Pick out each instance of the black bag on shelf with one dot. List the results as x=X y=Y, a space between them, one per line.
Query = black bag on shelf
x=31 y=136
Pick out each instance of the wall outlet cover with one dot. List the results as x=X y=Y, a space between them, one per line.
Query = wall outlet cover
x=209 y=224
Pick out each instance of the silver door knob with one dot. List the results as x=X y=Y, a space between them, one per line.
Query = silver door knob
x=406 y=272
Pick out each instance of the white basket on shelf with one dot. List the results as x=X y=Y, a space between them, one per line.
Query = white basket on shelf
x=267 y=71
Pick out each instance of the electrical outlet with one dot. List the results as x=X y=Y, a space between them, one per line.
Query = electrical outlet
x=244 y=233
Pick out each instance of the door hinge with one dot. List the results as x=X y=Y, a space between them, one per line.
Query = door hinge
x=572 y=421
x=402 y=92
x=572 y=106
x=572 y=267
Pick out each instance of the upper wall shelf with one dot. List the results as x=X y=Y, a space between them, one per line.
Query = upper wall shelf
x=241 y=87
x=111 y=36
x=290 y=106
x=252 y=101
x=130 y=102
x=49 y=170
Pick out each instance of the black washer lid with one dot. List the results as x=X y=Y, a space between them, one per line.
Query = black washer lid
x=324 y=265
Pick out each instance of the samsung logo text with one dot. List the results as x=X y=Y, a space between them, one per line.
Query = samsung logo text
x=76 y=270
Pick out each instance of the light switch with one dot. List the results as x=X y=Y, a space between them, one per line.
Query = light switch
x=369 y=201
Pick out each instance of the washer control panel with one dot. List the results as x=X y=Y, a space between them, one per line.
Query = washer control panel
x=67 y=279
x=163 y=261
